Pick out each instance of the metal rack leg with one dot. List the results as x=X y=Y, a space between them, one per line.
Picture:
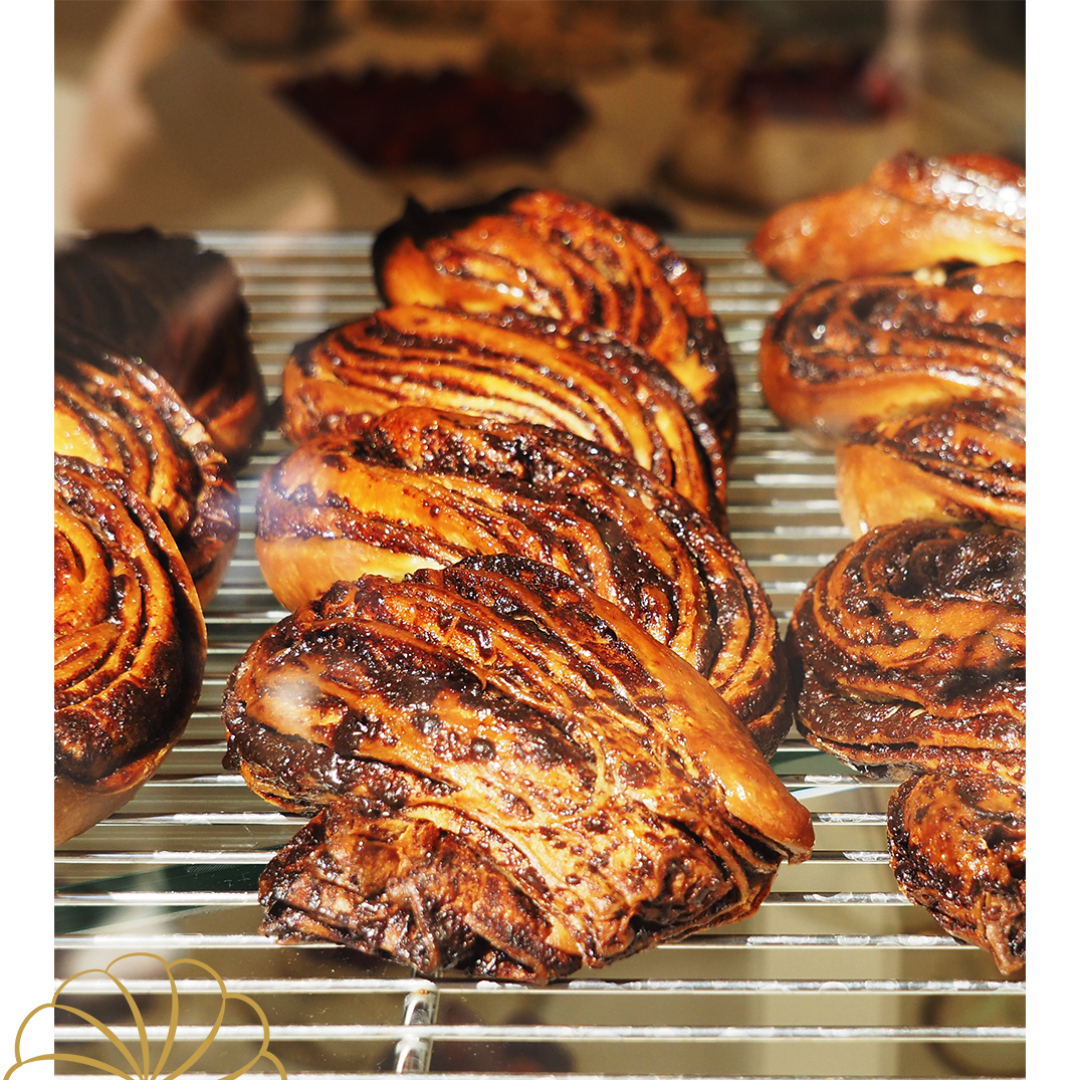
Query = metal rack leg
x=413 y=1053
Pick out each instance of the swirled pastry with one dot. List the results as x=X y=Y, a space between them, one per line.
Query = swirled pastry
x=121 y=414
x=416 y=488
x=518 y=779
x=130 y=643
x=962 y=460
x=513 y=368
x=563 y=259
x=909 y=651
x=840 y=353
x=179 y=307
x=911 y=212
x=958 y=842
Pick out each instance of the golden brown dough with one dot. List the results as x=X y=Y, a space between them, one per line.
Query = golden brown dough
x=958 y=842
x=557 y=788
x=560 y=258
x=130 y=643
x=121 y=414
x=179 y=307
x=908 y=651
x=840 y=353
x=960 y=461
x=511 y=368
x=911 y=212
x=419 y=488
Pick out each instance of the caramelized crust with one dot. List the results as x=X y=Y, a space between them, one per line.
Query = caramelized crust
x=177 y=306
x=560 y=788
x=958 y=844
x=562 y=259
x=130 y=643
x=515 y=369
x=964 y=460
x=908 y=651
x=840 y=353
x=122 y=415
x=380 y=884
x=418 y=488
x=911 y=212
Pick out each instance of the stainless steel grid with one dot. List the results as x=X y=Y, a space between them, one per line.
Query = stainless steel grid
x=835 y=976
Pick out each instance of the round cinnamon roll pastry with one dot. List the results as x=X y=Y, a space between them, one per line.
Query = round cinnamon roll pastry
x=556 y=787
x=957 y=461
x=417 y=488
x=512 y=368
x=121 y=414
x=179 y=307
x=908 y=651
x=130 y=643
x=840 y=353
x=563 y=259
x=912 y=211
x=958 y=844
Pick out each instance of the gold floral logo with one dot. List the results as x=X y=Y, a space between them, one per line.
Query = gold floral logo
x=138 y=1057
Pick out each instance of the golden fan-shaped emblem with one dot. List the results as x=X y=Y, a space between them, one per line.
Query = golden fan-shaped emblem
x=138 y=1058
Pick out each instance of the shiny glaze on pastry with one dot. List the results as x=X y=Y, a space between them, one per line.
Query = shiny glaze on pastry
x=908 y=651
x=179 y=307
x=556 y=787
x=958 y=461
x=840 y=353
x=418 y=488
x=958 y=844
x=911 y=212
x=511 y=368
x=130 y=643
x=564 y=259
x=121 y=414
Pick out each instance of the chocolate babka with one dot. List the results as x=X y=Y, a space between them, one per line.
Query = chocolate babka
x=513 y=368
x=417 y=488
x=840 y=353
x=130 y=643
x=957 y=461
x=909 y=656
x=566 y=260
x=121 y=414
x=911 y=212
x=513 y=779
x=958 y=842
x=909 y=651
x=178 y=307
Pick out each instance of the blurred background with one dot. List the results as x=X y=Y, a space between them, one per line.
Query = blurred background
x=692 y=115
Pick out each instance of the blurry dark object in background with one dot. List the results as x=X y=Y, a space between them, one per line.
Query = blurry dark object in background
x=995 y=27
x=447 y=120
x=813 y=87
x=446 y=14
x=791 y=129
x=264 y=26
x=562 y=41
x=645 y=212
x=714 y=44
x=812 y=107
x=999 y=29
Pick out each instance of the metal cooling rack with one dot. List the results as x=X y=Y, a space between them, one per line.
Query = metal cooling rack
x=835 y=976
